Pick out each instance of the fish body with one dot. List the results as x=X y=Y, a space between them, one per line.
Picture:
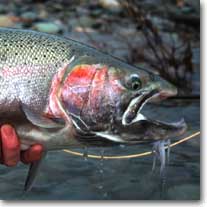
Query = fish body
x=58 y=92
x=52 y=87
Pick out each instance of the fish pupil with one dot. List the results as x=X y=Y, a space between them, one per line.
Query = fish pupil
x=135 y=86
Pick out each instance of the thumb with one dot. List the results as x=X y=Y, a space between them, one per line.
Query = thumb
x=10 y=152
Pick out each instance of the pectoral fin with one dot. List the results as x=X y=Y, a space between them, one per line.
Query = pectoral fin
x=39 y=120
x=32 y=173
x=109 y=136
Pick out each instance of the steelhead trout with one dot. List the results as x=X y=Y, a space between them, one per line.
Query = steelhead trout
x=58 y=92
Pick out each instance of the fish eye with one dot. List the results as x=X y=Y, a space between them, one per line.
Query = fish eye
x=134 y=82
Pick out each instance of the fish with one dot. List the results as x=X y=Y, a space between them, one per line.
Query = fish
x=61 y=93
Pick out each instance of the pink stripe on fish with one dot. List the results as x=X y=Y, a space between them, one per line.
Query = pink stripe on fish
x=53 y=109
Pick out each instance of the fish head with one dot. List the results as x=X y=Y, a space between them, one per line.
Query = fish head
x=137 y=87
x=104 y=96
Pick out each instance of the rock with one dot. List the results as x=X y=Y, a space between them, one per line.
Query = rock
x=112 y=5
x=96 y=12
x=43 y=14
x=3 y=8
x=129 y=31
x=82 y=22
x=86 y=21
x=187 y=9
x=161 y=23
x=6 y=21
x=48 y=27
x=29 y=16
x=56 y=7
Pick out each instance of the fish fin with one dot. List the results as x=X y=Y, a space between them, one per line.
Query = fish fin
x=111 y=137
x=39 y=120
x=32 y=173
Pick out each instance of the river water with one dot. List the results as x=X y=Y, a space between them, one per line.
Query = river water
x=67 y=177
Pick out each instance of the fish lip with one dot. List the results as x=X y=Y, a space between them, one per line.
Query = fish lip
x=172 y=129
x=152 y=130
x=180 y=125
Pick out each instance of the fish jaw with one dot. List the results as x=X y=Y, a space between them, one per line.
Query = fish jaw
x=147 y=130
x=156 y=90
x=144 y=129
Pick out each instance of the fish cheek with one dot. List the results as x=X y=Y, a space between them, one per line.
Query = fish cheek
x=92 y=94
x=104 y=98
x=95 y=109
x=75 y=89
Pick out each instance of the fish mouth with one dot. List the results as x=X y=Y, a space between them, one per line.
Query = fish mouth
x=149 y=131
x=133 y=112
x=133 y=120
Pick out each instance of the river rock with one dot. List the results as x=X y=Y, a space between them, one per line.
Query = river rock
x=6 y=21
x=111 y=5
x=48 y=27
x=3 y=8
x=29 y=16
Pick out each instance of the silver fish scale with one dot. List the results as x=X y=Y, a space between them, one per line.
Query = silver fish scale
x=28 y=61
x=20 y=47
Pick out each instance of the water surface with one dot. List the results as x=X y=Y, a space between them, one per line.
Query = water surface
x=67 y=177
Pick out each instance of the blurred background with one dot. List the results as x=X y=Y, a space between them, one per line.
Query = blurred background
x=161 y=35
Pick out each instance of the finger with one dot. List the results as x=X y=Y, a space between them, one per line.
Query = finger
x=10 y=146
x=34 y=153
x=1 y=156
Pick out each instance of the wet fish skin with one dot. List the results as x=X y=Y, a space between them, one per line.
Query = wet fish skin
x=24 y=54
x=28 y=63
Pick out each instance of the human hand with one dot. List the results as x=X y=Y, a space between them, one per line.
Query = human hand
x=10 y=153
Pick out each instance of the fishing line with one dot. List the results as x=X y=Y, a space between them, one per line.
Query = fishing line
x=131 y=155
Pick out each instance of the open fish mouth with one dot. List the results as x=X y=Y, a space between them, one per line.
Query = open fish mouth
x=132 y=113
x=134 y=120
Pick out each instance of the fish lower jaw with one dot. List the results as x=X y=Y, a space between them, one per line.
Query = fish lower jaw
x=139 y=117
x=180 y=124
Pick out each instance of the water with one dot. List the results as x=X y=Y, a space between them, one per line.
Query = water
x=67 y=177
